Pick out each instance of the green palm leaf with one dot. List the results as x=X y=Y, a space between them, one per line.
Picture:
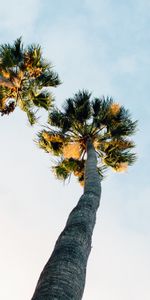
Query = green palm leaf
x=23 y=75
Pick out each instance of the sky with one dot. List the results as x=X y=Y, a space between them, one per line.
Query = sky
x=102 y=46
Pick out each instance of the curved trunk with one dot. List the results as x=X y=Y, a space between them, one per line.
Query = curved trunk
x=63 y=277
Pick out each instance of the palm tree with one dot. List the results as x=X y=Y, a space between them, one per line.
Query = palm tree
x=88 y=136
x=24 y=79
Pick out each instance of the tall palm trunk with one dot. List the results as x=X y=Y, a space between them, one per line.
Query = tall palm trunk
x=63 y=277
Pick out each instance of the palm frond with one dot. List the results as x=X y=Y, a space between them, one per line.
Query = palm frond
x=61 y=171
x=126 y=128
x=69 y=108
x=43 y=99
x=5 y=93
x=31 y=117
x=17 y=51
x=104 y=121
x=48 y=78
x=66 y=167
x=102 y=116
x=117 y=157
x=51 y=141
x=6 y=58
x=24 y=74
x=82 y=106
x=60 y=120
x=120 y=144
x=8 y=108
x=55 y=118
x=96 y=106
x=33 y=56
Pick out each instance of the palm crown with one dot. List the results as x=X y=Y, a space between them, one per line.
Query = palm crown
x=105 y=122
x=23 y=75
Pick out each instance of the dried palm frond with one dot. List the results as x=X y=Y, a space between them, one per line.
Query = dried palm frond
x=72 y=150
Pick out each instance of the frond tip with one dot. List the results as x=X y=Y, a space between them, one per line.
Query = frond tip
x=60 y=172
x=121 y=167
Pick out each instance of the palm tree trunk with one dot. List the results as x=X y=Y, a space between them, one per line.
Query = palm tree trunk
x=63 y=277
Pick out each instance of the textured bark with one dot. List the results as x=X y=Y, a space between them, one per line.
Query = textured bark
x=63 y=277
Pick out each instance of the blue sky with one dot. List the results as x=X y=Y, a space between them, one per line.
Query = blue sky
x=103 y=46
